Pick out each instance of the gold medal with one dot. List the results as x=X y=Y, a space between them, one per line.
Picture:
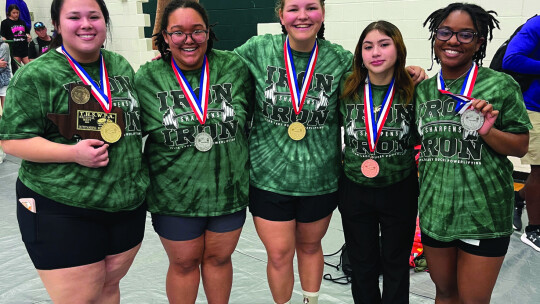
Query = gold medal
x=297 y=131
x=111 y=132
x=80 y=95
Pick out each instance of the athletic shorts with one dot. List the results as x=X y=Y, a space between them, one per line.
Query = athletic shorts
x=61 y=236
x=280 y=208
x=19 y=49
x=495 y=247
x=533 y=155
x=183 y=228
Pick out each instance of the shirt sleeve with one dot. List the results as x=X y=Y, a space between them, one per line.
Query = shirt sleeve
x=513 y=116
x=518 y=53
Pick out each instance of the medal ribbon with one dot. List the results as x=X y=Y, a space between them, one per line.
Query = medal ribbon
x=103 y=96
x=298 y=95
x=464 y=97
x=199 y=105
x=374 y=125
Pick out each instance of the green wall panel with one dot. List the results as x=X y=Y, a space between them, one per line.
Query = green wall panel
x=236 y=20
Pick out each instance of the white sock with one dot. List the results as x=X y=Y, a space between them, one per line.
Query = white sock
x=311 y=297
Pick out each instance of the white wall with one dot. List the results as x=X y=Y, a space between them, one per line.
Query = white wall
x=345 y=20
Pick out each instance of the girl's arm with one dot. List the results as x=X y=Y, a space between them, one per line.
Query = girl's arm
x=89 y=153
x=510 y=144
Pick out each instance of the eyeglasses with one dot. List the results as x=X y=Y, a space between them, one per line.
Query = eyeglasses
x=444 y=34
x=178 y=38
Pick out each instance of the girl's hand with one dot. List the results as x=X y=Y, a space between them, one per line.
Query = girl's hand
x=91 y=153
x=490 y=115
x=417 y=74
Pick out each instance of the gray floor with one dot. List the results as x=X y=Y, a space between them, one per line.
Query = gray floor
x=519 y=281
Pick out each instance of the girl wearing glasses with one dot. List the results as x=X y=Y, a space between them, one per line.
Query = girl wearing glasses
x=379 y=189
x=295 y=143
x=79 y=202
x=194 y=109
x=470 y=119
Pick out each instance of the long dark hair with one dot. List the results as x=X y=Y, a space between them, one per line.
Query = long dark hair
x=280 y=4
x=11 y=8
x=56 y=7
x=484 y=23
x=162 y=45
x=403 y=82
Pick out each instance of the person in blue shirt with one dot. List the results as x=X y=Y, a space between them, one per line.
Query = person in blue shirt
x=523 y=56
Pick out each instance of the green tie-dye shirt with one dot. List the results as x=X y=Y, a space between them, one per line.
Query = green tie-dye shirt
x=184 y=180
x=466 y=188
x=394 y=152
x=41 y=87
x=278 y=163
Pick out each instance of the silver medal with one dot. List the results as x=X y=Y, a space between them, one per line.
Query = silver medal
x=203 y=142
x=472 y=120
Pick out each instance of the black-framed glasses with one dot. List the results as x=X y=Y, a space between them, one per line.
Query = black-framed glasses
x=445 y=34
x=199 y=36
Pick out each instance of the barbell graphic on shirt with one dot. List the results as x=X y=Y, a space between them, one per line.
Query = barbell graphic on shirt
x=171 y=119
x=270 y=93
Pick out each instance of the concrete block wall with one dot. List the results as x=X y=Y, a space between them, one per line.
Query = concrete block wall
x=345 y=20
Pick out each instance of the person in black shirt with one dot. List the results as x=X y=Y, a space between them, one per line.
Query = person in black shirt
x=40 y=44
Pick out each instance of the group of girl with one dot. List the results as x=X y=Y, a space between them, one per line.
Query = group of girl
x=81 y=204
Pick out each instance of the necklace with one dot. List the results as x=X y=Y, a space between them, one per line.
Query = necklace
x=448 y=86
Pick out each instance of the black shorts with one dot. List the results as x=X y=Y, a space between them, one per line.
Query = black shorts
x=278 y=207
x=61 y=236
x=20 y=49
x=495 y=247
x=183 y=228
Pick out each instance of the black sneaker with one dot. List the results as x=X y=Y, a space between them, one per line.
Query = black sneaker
x=532 y=238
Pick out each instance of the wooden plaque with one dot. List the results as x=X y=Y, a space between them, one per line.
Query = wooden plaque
x=85 y=116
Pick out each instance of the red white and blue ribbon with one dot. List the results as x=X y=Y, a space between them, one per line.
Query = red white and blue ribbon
x=374 y=125
x=103 y=94
x=199 y=105
x=464 y=97
x=298 y=95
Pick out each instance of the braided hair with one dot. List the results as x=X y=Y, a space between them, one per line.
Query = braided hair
x=160 y=42
x=280 y=4
x=484 y=23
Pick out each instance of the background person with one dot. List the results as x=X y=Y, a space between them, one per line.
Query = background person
x=379 y=92
x=466 y=186
x=523 y=56
x=40 y=44
x=15 y=29
x=23 y=8
x=79 y=203
x=198 y=193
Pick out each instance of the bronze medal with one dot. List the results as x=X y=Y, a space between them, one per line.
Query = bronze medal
x=111 y=132
x=80 y=95
x=370 y=168
x=297 y=131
